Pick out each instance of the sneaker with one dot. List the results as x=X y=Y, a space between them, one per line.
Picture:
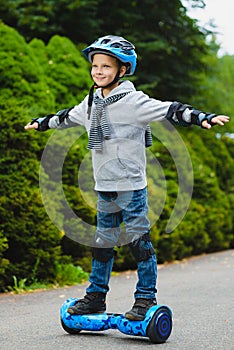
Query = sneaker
x=139 y=309
x=92 y=303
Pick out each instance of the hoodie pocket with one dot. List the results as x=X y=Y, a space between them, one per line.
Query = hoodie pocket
x=131 y=168
x=121 y=161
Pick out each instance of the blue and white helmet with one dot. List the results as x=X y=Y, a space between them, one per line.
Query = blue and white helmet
x=117 y=47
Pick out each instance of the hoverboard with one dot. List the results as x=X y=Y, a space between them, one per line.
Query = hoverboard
x=157 y=324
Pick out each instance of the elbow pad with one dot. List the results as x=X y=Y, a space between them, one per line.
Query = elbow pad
x=63 y=114
x=175 y=114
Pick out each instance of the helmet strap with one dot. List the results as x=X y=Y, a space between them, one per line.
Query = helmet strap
x=114 y=81
x=95 y=86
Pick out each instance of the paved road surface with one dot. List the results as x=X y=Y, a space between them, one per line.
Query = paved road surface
x=199 y=290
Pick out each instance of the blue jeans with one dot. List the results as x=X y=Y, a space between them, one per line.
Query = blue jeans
x=131 y=208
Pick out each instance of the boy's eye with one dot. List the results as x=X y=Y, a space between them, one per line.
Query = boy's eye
x=104 y=66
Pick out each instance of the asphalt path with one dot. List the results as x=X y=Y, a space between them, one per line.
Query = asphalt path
x=200 y=292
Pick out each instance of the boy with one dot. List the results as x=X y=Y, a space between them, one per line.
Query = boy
x=117 y=120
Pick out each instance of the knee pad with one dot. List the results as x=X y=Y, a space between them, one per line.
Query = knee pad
x=103 y=254
x=142 y=248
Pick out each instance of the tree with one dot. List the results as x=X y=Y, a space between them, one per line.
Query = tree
x=170 y=45
x=43 y=19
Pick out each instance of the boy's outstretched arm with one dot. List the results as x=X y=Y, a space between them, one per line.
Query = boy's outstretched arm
x=42 y=124
x=219 y=119
x=186 y=115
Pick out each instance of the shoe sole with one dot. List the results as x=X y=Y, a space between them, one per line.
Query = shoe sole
x=72 y=312
x=132 y=317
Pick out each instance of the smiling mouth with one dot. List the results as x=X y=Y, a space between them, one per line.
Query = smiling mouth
x=99 y=80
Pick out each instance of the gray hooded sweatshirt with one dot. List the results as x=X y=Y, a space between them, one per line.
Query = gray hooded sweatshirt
x=121 y=163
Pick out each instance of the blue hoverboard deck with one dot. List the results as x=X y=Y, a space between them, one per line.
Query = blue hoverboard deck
x=157 y=324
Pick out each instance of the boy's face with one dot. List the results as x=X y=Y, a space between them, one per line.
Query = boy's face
x=104 y=70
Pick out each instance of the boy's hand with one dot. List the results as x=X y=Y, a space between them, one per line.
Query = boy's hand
x=219 y=119
x=31 y=126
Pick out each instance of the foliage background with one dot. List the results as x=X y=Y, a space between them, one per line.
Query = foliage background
x=42 y=71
